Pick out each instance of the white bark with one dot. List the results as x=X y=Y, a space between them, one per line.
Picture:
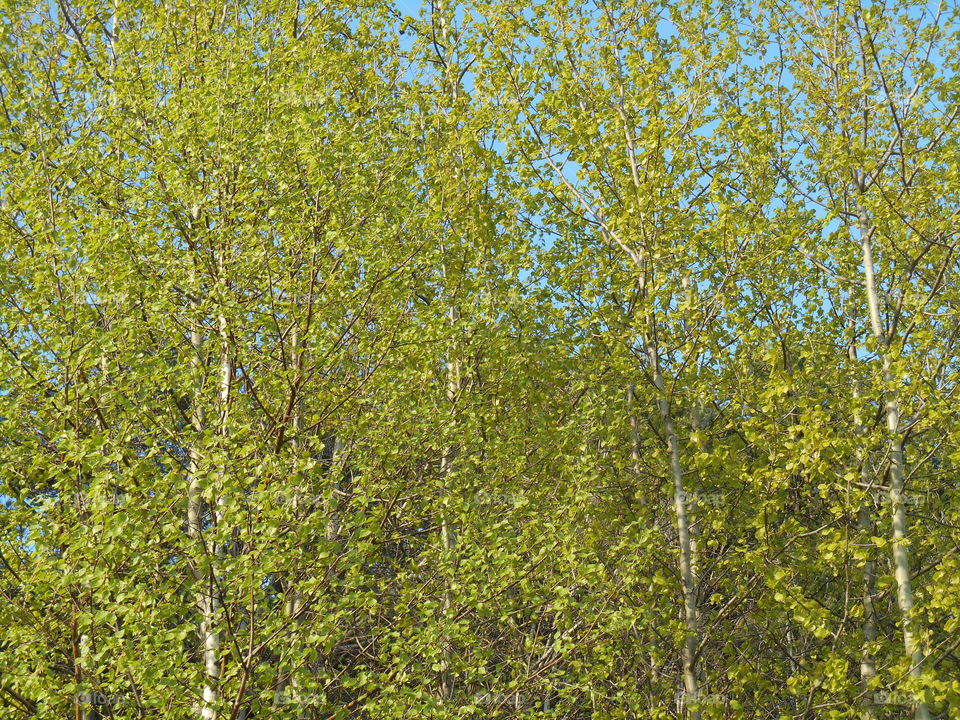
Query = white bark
x=868 y=668
x=211 y=690
x=338 y=470
x=648 y=337
x=687 y=576
x=901 y=550
x=289 y=691
x=448 y=537
x=86 y=709
x=442 y=15
x=195 y=519
x=208 y=601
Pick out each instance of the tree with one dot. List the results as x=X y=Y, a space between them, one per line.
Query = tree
x=577 y=360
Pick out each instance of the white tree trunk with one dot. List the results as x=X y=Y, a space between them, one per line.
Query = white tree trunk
x=195 y=514
x=868 y=668
x=448 y=536
x=901 y=551
x=687 y=566
x=208 y=601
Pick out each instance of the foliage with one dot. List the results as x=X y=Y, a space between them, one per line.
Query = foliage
x=570 y=360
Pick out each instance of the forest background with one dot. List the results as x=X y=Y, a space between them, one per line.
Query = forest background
x=479 y=360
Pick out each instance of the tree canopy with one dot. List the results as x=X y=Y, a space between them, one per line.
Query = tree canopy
x=567 y=359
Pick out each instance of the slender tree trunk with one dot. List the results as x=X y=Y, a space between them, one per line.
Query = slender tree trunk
x=293 y=599
x=443 y=15
x=635 y=454
x=209 y=601
x=635 y=443
x=448 y=536
x=687 y=567
x=195 y=510
x=339 y=471
x=901 y=551
x=868 y=668
x=217 y=549
x=691 y=619
x=687 y=550
x=87 y=709
x=212 y=600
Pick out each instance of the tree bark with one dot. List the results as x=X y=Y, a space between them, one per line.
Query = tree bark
x=208 y=601
x=687 y=567
x=865 y=524
x=901 y=550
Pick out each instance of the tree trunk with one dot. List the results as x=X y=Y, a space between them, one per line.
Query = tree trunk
x=209 y=601
x=448 y=536
x=901 y=551
x=195 y=518
x=687 y=567
x=868 y=668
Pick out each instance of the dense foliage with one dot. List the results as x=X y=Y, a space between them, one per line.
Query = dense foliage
x=563 y=359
